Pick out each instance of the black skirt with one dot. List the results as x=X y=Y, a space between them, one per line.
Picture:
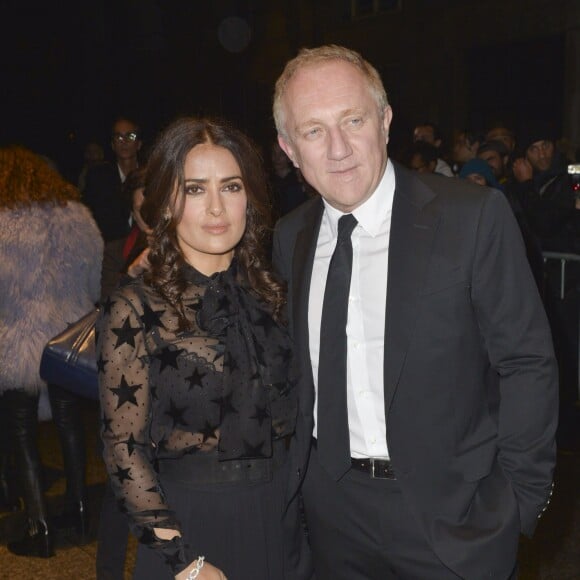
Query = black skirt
x=237 y=526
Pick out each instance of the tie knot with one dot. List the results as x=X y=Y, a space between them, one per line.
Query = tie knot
x=346 y=224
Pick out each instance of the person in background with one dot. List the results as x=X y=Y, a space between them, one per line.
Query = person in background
x=422 y=157
x=288 y=188
x=430 y=133
x=543 y=187
x=51 y=252
x=496 y=155
x=480 y=172
x=124 y=257
x=465 y=147
x=196 y=383
x=103 y=192
x=128 y=255
x=428 y=385
x=93 y=155
x=499 y=132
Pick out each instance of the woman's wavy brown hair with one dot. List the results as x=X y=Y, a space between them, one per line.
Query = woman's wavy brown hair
x=164 y=196
x=27 y=178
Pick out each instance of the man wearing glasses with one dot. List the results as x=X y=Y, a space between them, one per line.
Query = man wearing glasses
x=104 y=184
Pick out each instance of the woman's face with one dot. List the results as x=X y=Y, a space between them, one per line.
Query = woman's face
x=214 y=214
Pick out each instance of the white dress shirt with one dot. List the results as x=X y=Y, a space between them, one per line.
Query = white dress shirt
x=365 y=328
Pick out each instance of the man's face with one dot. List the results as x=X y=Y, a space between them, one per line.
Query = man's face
x=425 y=133
x=501 y=134
x=420 y=165
x=540 y=155
x=463 y=150
x=495 y=161
x=125 y=140
x=335 y=133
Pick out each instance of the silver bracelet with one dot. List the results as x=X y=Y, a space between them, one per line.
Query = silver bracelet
x=198 y=566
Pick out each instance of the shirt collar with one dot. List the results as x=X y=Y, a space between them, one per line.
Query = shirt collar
x=375 y=211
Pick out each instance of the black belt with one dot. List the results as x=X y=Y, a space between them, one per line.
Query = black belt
x=204 y=467
x=376 y=468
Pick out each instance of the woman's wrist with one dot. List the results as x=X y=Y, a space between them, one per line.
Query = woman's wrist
x=194 y=572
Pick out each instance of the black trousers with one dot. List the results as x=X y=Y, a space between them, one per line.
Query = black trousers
x=362 y=529
x=112 y=538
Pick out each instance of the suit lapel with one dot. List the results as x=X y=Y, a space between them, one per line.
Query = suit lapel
x=302 y=264
x=413 y=226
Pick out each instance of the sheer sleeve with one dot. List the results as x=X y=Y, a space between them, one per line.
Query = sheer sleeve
x=129 y=453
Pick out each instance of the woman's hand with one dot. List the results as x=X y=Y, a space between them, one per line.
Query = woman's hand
x=208 y=572
x=140 y=264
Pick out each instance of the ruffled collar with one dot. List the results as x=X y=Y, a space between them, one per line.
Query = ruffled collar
x=229 y=311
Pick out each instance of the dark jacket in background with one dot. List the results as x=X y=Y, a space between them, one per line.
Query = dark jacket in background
x=104 y=196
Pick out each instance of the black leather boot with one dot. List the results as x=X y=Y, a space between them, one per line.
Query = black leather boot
x=23 y=425
x=75 y=518
x=38 y=541
x=8 y=500
x=67 y=415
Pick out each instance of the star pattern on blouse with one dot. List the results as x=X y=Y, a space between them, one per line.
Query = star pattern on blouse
x=219 y=349
x=101 y=362
x=261 y=414
x=168 y=358
x=131 y=444
x=253 y=450
x=126 y=334
x=176 y=413
x=123 y=474
x=122 y=505
x=225 y=404
x=151 y=318
x=208 y=432
x=107 y=424
x=195 y=379
x=125 y=392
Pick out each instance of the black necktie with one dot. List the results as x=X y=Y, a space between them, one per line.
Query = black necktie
x=332 y=425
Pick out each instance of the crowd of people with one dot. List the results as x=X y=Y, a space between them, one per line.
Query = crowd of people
x=341 y=370
x=529 y=168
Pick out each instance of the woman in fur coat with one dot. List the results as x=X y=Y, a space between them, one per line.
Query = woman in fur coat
x=50 y=265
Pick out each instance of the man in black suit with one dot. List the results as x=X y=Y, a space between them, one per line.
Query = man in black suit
x=428 y=446
x=103 y=192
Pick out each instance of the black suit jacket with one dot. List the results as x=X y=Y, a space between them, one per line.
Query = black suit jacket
x=470 y=378
x=104 y=196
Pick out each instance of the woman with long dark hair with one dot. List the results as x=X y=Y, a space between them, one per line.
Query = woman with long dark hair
x=195 y=369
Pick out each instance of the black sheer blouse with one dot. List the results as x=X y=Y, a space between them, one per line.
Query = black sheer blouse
x=223 y=387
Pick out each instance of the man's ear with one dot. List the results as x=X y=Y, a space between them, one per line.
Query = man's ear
x=287 y=148
x=387 y=118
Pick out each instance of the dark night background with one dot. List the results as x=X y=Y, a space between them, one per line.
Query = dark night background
x=68 y=68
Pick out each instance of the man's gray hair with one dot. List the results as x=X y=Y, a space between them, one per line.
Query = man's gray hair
x=323 y=54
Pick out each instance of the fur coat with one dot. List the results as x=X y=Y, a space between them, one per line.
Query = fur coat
x=50 y=268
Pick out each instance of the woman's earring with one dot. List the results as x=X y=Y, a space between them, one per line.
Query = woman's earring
x=166 y=214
